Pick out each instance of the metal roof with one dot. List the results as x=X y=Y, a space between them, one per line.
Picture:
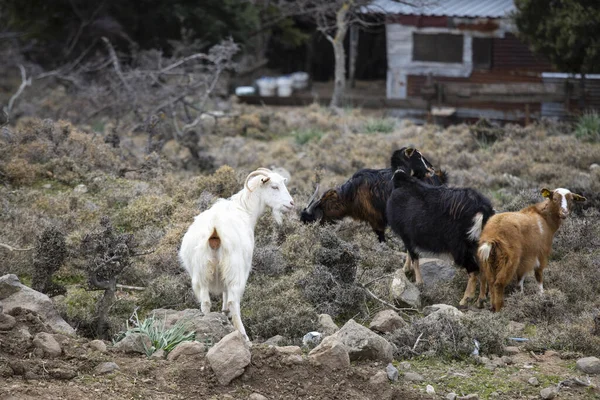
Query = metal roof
x=449 y=8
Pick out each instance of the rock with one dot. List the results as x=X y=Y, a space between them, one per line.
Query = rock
x=47 y=344
x=594 y=166
x=257 y=396
x=429 y=389
x=274 y=341
x=186 y=349
x=404 y=365
x=7 y=322
x=330 y=353
x=14 y=294
x=507 y=360
x=548 y=393
x=404 y=292
x=213 y=326
x=387 y=321
x=98 y=345
x=63 y=340
x=294 y=359
x=311 y=339
x=473 y=396
x=434 y=312
x=229 y=357
x=364 y=344
x=511 y=350
x=134 y=343
x=435 y=270
x=158 y=355
x=413 y=377
x=533 y=381
x=589 y=365
x=392 y=372
x=288 y=350
x=451 y=396
x=80 y=189
x=106 y=368
x=494 y=395
x=63 y=373
x=380 y=378
x=326 y=325
x=24 y=332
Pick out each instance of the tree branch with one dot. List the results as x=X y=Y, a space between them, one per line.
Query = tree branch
x=24 y=83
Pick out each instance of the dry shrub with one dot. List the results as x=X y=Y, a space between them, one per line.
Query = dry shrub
x=577 y=275
x=549 y=307
x=275 y=306
x=146 y=210
x=577 y=234
x=575 y=336
x=169 y=291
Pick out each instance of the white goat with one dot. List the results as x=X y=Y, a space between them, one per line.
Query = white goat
x=217 y=248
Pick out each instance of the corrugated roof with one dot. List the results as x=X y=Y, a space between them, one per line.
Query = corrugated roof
x=450 y=8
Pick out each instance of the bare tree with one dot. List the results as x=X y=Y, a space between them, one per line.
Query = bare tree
x=333 y=19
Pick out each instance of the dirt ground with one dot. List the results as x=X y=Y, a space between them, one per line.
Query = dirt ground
x=26 y=374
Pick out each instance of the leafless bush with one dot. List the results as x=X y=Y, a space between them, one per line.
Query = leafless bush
x=50 y=253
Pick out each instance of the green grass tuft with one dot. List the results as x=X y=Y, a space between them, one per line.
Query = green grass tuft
x=588 y=127
x=381 y=125
x=304 y=136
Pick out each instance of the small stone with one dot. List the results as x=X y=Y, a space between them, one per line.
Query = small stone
x=275 y=340
x=49 y=186
x=404 y=365
x=326 y=325
x=494 y=395
x=331 y=353
x=429 y=389
x=507 y=360
x=380 y=378
x=134 y=343
x=7 y=322
x=511 y=350
x=392 y=372
x=312 y=339
x=63 y=373
x=589 y=365
x=288 y=350
x=81 y=188
x=257 y=396
x=98 y=345
x=47 y=344
x=533 y=381
x=387 y=321
x=24 y=332
x=413 y=377
x=106 y=368
x=451 y=396
x=294 y=359
x=185 y=349
x=472 y=396
x=158 y=355
x=548 y=393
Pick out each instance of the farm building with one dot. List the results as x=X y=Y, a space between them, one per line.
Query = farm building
x=464 y=55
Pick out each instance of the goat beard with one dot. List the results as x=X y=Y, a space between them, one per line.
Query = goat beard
x=278 y=215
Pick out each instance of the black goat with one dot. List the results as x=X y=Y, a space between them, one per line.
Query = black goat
x=438 y=220
x=364 y=196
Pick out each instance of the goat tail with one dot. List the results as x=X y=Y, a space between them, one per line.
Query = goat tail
x=485 y=253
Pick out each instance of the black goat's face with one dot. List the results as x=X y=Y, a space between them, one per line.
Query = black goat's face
x=411 y=159
x=327 y=208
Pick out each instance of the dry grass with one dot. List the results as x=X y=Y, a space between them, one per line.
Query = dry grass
x=299 y=270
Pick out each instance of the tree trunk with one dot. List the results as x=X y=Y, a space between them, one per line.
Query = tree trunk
x=353 y=54
x=582 y=103
x=339 y=86
x=102 y=309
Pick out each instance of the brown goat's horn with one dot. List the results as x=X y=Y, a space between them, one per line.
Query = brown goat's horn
x=252 y=175
x=312 y=201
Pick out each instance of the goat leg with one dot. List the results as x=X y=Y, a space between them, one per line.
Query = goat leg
x=417 y=268
x=470 y=290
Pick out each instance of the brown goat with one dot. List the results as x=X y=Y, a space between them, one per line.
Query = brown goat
x=515 y=243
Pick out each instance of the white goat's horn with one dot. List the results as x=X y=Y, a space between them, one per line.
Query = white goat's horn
x=311 y=202
x=252 y=175
x=264 y=169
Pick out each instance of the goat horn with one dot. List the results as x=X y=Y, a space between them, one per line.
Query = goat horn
x=264 y=169
x=311 y=202
x=252 y=175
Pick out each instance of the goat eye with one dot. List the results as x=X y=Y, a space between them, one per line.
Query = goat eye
x=275 y=187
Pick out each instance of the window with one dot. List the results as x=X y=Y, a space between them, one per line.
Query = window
x=482 y=53
x=443 y=47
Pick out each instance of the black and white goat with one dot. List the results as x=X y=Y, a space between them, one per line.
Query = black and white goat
x=364 y=196
x=438 y=220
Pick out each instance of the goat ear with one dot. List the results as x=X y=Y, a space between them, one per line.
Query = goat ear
x=546 y=193
x=409 y=152
x=577 y=197
x=265 y=180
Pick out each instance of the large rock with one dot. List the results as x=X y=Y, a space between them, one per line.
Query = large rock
x=387 y=321
x=589 y=365
x=229 y=357
x=213 y=326
x=14 y=294
x=404 y=292
x=7 y=322
x=330 y=353
x=326 y=325
x=435 y=270
x=46 y=343
x=106 y=368
x=134 y=343
x=98 y=345
x=364 y=344
x=186 y=349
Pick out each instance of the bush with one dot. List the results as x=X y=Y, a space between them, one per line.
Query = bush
x=50 y=253
x=549 y=307
x=304 y=136
x=588 y=127
x=167 y=291
x=380 y=126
